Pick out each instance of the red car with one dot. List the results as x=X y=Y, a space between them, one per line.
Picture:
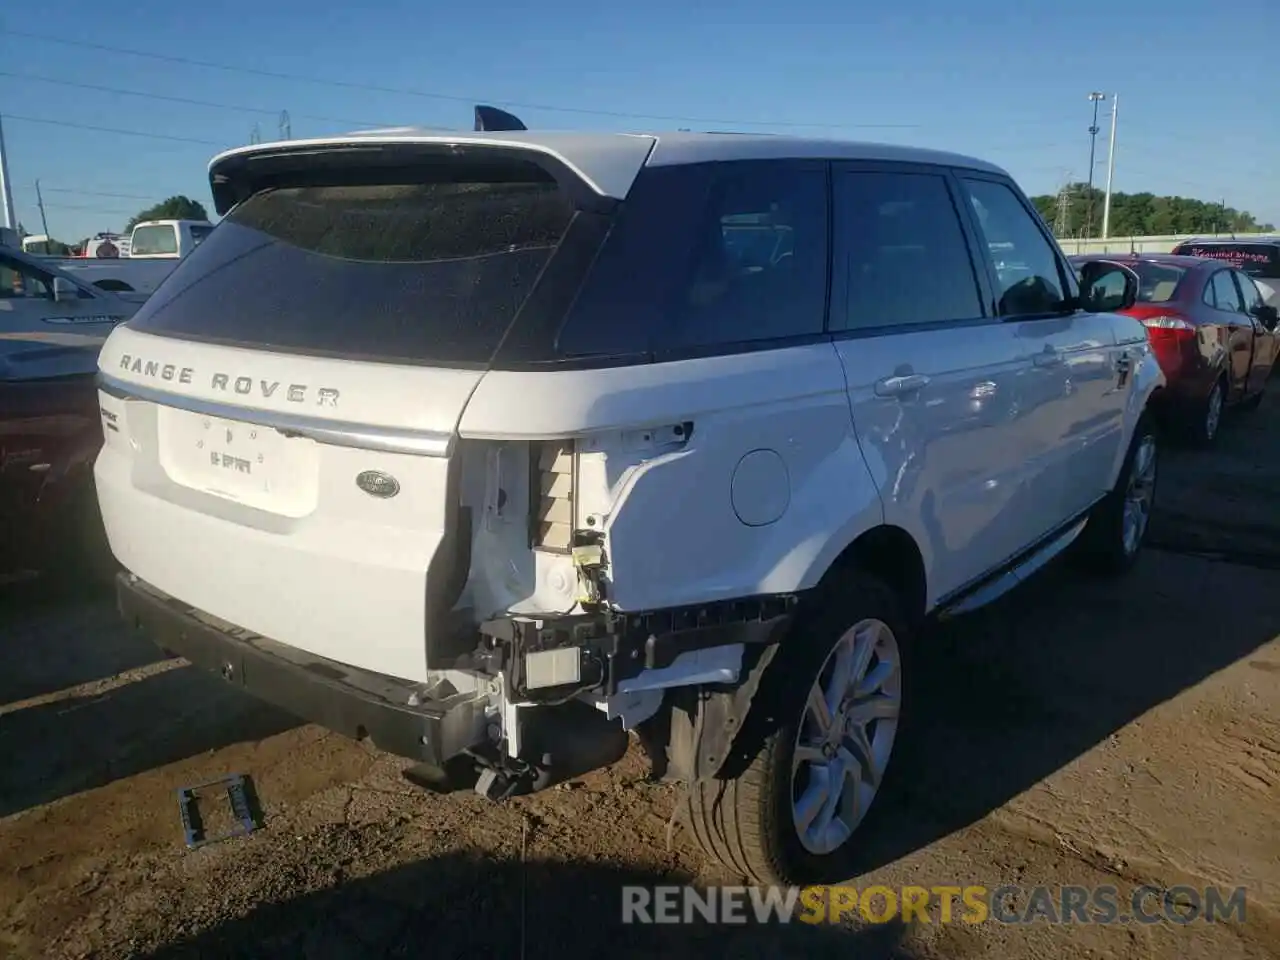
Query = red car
x=1211 y=330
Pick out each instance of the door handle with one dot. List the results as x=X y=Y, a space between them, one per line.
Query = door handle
x=897 y=386
x=1049 y=357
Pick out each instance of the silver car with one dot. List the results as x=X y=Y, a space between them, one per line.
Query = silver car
x=37 y=297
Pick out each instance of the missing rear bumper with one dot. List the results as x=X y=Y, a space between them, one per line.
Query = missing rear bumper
x=356 y=703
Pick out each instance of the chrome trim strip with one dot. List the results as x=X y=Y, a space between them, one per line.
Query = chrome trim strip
x=423 y=443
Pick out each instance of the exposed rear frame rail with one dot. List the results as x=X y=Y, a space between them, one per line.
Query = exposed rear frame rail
x=616 y=647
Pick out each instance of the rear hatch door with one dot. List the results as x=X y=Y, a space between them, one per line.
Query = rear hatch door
x=281 y=414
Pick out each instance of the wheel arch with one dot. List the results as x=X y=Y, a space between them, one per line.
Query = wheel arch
x=890 y=554
x=699 y=733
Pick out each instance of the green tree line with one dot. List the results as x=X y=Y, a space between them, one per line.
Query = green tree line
x=1140 y=214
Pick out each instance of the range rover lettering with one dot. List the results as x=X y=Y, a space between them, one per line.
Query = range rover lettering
x=689 y=433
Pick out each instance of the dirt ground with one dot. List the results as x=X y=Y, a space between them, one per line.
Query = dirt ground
x=1076 y=733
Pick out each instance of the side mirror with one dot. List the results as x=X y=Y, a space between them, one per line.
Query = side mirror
x=1267 y=315
x=1107 y=287
x=64 y=290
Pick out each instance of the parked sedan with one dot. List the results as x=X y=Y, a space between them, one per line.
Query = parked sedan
x=1211 y=330
x=52 y=327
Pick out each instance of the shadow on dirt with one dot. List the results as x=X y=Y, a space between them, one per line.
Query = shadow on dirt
x=51 y=642
x=463 y=906
x=64 y=746
x=1013 y=693
x=1224 y=502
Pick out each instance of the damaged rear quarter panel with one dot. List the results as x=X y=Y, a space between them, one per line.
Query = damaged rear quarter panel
x=672 y=533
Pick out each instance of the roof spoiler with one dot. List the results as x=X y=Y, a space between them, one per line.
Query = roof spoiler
x=491 y=118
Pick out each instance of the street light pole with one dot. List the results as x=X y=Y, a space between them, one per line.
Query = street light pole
x=1095 y=98
x=1111 y=167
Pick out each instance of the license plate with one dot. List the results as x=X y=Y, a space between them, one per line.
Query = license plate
x=245 y=462
x=238 y=448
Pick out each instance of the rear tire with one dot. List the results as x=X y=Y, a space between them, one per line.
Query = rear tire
x=1202 y=426
x=1117 y=526
x=854 y=649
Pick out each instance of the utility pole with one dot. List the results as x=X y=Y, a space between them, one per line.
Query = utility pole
x=6 y=195
x=1111 y=167
x=1095 y=98
x=286 y=128
x=255 y=135
x=40 y=203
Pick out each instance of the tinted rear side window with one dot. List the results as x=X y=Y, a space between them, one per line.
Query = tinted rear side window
x=708 y=255
x=1255 y=259
x=415 y=272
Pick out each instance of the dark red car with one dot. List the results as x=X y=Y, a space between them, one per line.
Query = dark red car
x=1211 y=330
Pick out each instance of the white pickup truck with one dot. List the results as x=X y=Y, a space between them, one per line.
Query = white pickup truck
x=167 y=239
x=119 y=275
x=155 y=248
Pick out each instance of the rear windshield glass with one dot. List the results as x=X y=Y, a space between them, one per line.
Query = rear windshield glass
x=153 y=241
x=1255 y=259
x=1156 y=281
x=415 y=272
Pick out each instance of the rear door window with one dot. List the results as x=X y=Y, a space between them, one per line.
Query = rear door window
x=901 y=252
x=1221 y=293
x=414 y=271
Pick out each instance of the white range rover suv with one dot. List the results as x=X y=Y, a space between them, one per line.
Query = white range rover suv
x=494 y=446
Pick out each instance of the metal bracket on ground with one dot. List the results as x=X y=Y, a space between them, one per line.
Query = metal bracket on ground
x=240 y=796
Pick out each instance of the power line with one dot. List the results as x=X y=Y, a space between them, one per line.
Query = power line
x=76 y=206
x=97 y=193
x=239 y=108
x=184 y=100
x=430 y=95
x=127 y=133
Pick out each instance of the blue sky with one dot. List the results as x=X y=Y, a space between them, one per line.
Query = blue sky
x=1004 y=81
